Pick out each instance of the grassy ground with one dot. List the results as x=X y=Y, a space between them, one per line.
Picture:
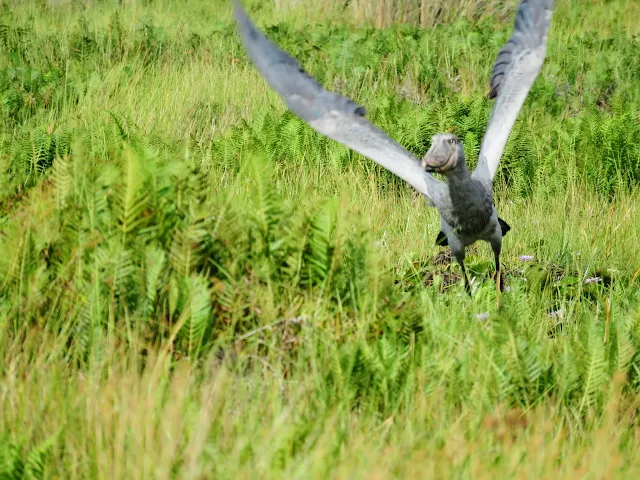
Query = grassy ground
x=193 y=284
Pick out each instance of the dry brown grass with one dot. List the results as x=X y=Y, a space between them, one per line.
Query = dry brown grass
x=119 y=419
x=383 y=13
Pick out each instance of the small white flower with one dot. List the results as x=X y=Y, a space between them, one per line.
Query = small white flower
x=383 y=241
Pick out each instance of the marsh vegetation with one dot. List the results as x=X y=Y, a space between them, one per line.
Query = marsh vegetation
x=195 y=284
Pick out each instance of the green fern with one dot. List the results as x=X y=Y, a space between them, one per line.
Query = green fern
x=317 y=258
x=568 y=372
x=33 y=154
x=116 y=38
x=155 y=259
x=13 y=465
x=35 y=465
x=594 y=365
x=83 y=43
x=91 y=317
x=188 y=245
x=121 y=272
x=132 y=197
x=176 y=297
x=623 y=347
x=171 y=231
x=62 y=180
x=199 y=314
x=265 y=202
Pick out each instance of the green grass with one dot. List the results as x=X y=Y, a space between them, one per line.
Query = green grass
x=194 y=284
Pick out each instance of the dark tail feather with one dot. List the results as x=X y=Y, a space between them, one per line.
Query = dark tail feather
x=442 y=239
x=504 y=226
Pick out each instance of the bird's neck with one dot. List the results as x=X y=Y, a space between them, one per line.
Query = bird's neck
x=458 y=176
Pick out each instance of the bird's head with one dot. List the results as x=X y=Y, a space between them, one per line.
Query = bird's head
x=445 y=155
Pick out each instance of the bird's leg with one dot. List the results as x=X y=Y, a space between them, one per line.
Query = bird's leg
x=467 y=285
x=498 y=279
x=460 y=259
x=499 y=282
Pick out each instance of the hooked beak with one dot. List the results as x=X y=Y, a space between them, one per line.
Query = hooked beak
x=426 y=167
x=437 y=158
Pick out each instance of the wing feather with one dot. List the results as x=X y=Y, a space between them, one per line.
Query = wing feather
x=333 y=115
x=514 y=71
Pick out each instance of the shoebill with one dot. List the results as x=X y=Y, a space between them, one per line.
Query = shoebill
x=464 y=199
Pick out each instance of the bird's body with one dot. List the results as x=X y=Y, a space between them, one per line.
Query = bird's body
x=467 y=212
x=464 y=200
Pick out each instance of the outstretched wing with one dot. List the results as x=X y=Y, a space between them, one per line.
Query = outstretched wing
x=333 y=115
x=516 y=68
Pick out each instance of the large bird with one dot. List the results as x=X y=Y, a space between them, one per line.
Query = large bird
x=464 y=200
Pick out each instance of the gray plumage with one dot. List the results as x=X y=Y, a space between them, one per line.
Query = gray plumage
x=464 y=200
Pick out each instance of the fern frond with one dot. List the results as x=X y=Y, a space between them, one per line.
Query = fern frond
x=318 y=255
x=188 y=245
x=155 y=259
x=625 y=349
x=35 y=464
x=199 y=314
x=594 y=371
x=11 y=464
x=266 y=209
x=62 y=180
x=132 y=198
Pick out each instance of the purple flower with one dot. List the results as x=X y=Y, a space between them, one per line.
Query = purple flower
x=507 y=288
x=592 y=280
x=525 y=258
x=481 y=316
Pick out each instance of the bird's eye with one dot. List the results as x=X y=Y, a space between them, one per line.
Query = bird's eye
x=452 y=141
